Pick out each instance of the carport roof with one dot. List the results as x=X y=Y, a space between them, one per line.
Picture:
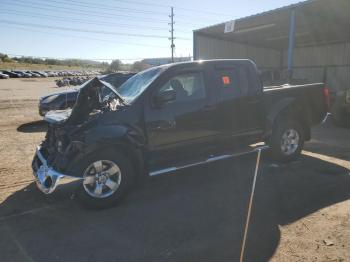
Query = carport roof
x=318 y=22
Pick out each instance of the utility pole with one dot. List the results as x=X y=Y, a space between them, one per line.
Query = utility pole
x=172 y=33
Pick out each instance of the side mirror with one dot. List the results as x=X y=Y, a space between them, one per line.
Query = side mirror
x=164 y=97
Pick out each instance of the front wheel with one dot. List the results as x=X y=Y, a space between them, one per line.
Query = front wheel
x=107 y=177
x=287 y=141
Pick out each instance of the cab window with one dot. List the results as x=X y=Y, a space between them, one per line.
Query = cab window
x=227 y=83
x=188 y=87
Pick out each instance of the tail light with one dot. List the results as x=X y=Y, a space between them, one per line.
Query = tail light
x=326 y=95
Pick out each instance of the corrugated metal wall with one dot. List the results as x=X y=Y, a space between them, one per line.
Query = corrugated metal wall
x=332 y=60
x=211 y=48
x=336 y=54
x=311 y=63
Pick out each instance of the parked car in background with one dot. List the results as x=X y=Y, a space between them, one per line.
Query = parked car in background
x=42 y=74
x=33 y=74
x=21 y=74
x=168 y=118
x=10 y=74
x=50 y=73
x=25 y=74
x=67 y=99
x=30 y=74
x=47 y=73
x=3 y=76
x=74 y=81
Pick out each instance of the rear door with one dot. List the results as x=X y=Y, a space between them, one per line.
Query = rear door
x=252 y=106
x=239 y=104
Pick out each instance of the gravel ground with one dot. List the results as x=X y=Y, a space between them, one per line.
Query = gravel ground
x=301 y=210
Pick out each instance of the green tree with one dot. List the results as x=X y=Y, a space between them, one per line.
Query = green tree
x=138 y=66
x=5 y=58
x=115 y=65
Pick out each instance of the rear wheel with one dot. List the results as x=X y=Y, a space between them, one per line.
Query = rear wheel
x=108 y=175
x=287 y=141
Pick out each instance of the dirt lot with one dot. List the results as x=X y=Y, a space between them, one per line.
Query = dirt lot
x=301 y=210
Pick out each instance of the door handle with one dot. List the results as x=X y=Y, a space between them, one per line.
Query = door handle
x=209 y=108
x=163 y=125
x=253 y=101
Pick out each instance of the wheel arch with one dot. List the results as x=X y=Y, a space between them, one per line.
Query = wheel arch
x=125 y=140
x=287 y=109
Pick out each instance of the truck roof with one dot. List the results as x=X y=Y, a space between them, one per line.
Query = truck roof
x=212 y=61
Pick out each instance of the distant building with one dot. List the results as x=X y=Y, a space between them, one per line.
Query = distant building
x=163 y=60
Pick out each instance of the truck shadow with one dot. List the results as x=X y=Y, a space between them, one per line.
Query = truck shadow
x=196 y=215
x=33 y=127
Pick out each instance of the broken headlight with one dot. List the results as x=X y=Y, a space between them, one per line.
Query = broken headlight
x=49 y=99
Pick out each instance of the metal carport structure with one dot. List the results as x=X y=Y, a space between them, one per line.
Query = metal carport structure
x=309 y=40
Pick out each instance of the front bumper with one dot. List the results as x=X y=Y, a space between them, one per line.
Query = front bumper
x=47 y=178
x=44 y=108
x=42 y=111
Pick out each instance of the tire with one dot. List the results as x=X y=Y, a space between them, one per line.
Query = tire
x=287 y=141
x=103 y=190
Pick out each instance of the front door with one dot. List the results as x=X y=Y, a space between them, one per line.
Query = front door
x=177 y=130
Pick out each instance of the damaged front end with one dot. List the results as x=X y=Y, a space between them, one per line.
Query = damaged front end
x=53 y=163
x=47 y=178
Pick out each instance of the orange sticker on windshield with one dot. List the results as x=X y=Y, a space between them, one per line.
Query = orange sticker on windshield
x=226 y=80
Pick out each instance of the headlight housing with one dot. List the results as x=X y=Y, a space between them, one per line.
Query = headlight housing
x=49 y=99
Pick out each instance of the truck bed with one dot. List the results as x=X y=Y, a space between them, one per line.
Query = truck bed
x=308 y=98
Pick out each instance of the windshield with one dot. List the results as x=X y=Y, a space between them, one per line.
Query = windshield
x=132 y=88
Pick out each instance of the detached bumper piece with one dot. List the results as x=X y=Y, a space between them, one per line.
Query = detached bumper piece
x=47 y=179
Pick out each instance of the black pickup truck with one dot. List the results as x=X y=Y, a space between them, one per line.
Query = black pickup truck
x=170 y=117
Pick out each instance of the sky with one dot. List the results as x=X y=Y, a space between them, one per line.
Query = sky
x=113 y=29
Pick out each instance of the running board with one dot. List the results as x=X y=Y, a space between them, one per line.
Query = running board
x=209 y=160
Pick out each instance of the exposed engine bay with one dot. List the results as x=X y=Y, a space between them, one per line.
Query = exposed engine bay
x=95 y=96
x=66 y=128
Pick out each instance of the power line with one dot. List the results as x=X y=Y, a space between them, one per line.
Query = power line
x=103 y=6
x=53 y=8
x=109 y=7
x=176 y=7
x=85 y=21
x=142 y=3
x=88 y=11
x=143 y=11
x=88 y=38
x=203 y=11
x=83 y=30
x=98 y=14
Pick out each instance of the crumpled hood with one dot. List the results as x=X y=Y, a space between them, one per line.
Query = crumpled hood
x=57 y=116
x=89 y=101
